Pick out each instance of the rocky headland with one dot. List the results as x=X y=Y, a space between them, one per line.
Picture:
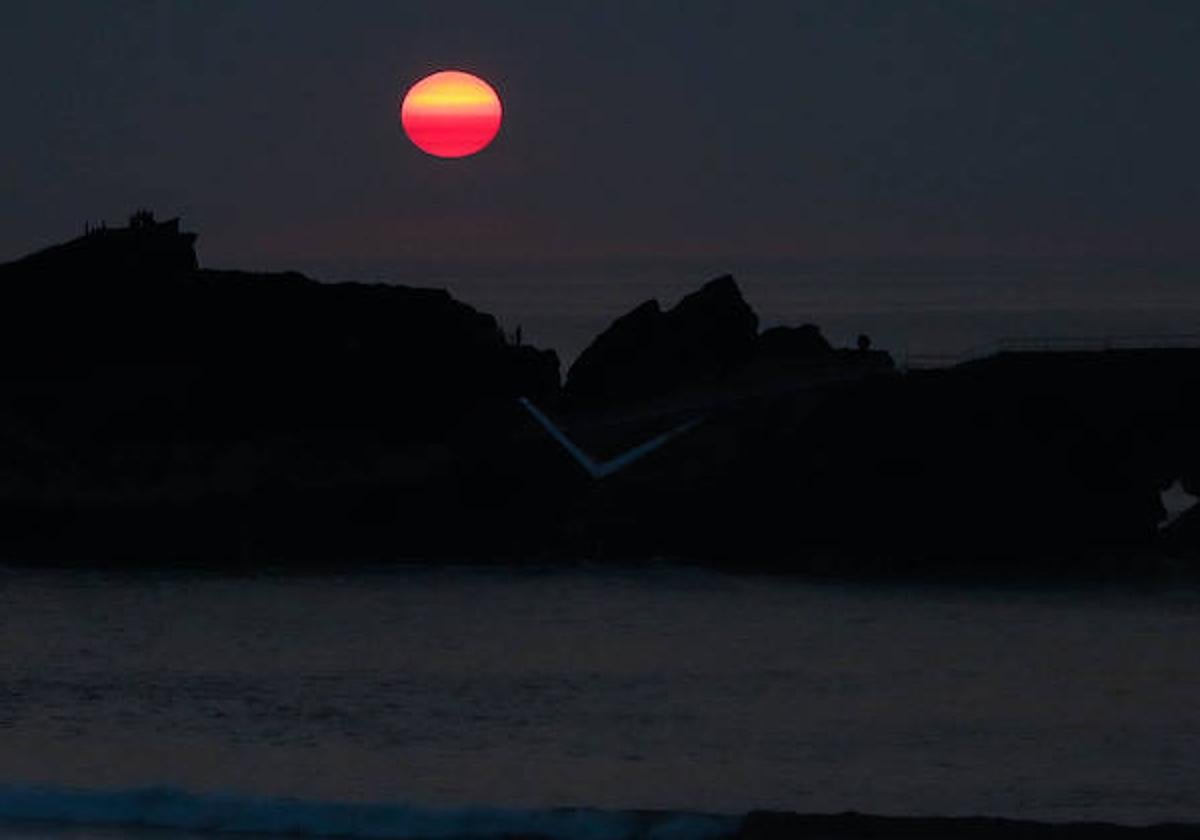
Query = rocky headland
x=157 y=412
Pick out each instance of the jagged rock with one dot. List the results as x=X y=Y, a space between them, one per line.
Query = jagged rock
x=648 y=352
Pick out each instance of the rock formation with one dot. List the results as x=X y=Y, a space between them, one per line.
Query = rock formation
x=154 y=411
x=649 y=352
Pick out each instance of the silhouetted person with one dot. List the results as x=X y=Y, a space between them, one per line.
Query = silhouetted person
x=864 y=342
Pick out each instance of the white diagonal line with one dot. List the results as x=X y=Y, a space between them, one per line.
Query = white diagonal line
x=601 y=469
x=578 y=454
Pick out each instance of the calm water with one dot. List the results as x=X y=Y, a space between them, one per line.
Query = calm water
x=668 y=689
x=909 y=308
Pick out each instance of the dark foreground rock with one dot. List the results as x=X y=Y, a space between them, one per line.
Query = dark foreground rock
x=648 y=352
x=152 y=410
x=155 y=412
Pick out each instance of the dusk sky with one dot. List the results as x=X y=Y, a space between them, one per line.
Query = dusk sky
x=776 y=129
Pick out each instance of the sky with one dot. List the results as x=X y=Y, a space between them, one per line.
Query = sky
x=711 y=131
x=771 y=129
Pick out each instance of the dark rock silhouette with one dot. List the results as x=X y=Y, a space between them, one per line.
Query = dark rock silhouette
x=135 y=296
x=649 y=352
x=150 y=408
x=706 y=348
x=153 y=411
x=146 y=248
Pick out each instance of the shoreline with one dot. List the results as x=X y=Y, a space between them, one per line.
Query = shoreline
x=775 y=825
x=390 y=823
x=166 y=812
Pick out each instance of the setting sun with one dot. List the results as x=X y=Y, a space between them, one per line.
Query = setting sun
x=451 y=114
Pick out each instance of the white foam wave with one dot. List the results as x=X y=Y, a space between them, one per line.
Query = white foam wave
x=160 y=807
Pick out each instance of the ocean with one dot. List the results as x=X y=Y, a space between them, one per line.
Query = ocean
x=926 y=311
x=663 y=701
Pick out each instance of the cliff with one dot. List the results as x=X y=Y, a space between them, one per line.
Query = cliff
x=707 y=347
x=153 y=408
x=154 y=411
x=648 y=352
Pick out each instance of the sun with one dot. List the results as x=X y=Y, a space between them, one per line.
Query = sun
x=451 y=114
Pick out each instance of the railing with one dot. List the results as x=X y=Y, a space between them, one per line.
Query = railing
x=1051 y=344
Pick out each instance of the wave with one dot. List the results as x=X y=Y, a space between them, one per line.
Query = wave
x=170 y=808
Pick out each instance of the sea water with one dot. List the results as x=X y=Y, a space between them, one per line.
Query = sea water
x=927 y=311
x=463 y=701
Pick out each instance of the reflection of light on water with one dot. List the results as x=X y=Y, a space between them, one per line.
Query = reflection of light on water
x=1177 y=502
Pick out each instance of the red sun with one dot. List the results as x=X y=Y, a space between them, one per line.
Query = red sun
x=451 y=114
